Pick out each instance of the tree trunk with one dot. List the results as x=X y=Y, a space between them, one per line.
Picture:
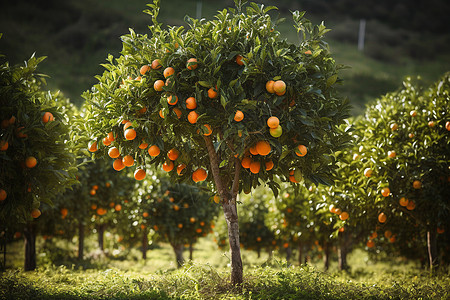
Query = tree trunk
x=230 y=211
x=228 y=196
x=258 y=251
x=178 y=249
x=432 y=249
x=80 y=241
x=191 y=251
x=30 y=247
x=326 y=255
x=144 y=243
x=288 y=254
x=101 y=231
x=342 y=251
x=300 y=253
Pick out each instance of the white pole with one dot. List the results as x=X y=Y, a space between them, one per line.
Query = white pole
x=199 y=9
x=362 y=32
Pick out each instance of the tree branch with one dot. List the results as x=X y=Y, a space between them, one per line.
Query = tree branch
x=214 y=161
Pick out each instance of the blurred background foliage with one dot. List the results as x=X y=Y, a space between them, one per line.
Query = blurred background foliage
x=405 y=37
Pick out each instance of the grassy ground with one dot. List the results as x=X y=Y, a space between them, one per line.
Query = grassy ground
x=206 y=277
x=77 y=36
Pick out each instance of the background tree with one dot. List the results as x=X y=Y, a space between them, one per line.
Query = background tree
x=236 y=102
x=407 y=151
x=36 y=159
x=178 y=213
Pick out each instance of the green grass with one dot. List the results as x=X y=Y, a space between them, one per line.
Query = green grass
x=127 y=276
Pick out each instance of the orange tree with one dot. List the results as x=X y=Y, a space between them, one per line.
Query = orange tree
x=238 y=104
x=301 y=219
x=178 y=213
x=36 y=162
x=407 y=150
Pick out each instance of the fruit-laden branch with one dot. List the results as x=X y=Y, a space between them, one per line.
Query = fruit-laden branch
x=214 y=161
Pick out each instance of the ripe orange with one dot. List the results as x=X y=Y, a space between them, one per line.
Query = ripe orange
x=199 y=175
x=308 y=52
x=173 y=154
x=144 y=69
x=92 y=192
x=413 y=113
x=95 y=187
x=238 y=116
x=145 y=214
x=387 y=234
x=111 y=136
x=178 y=112
x=154 y=150
x=106 y=141
x=301 y=150
x=370 y=244
x=35 y=213
x=343 y=216
x=180 y=169
x=447 y=125
x=417 y=184
x=19 y=132
x=273 y=122
x=30 y=162
x=255 y=166
x=124 y=121
x=292 y=179
x=382 y=218
x=192 y=64
x=279 y=87
x=3 y=195
x=440 y=230
x=253 y=150
x=246 y=161
x=216 y=199
x=392 y=154
x=158 y=85
x=269 y=86
x=118 y=207
x=394 y=126
x=385 y=192
x=212 y=93
x=161 y=114
x=269 y=165
x=113 y=152
x=431 y=124
x=167 y=166
x=192 y=117
x=374 y=235
x=337 y=211
x=392 y=239
x=172 y=99
x=368 y=172
x=127 y=125
x=209 y=132
x=332 y=209
x=130 y=134
x=92 y=146
x=239 y=59
x=263 y=147
x=4 y=145
x=156 y=64
x=180 y=225
x=139 y=174
x=64 y=212
x=411 y=205
x=403 y=201
x=198 y=230
x=169 y=71
x=280 y=93
x=411 y=135
x=47 y=117
x=143 y=145
x=176 y=207
x=128 y=160
x=191 y=103
x=118 y=165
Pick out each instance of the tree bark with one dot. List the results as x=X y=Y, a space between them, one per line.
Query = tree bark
x=229 y=197
x=288 y=254
x=80 y=241
x=101 y=231
x=326 y=255
x=300 y=253
x=178 y=249
x=343 y=251
x=258 y=251
x=144 y=243
x=191 y=251
x=432 y=249
x=30 y=247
